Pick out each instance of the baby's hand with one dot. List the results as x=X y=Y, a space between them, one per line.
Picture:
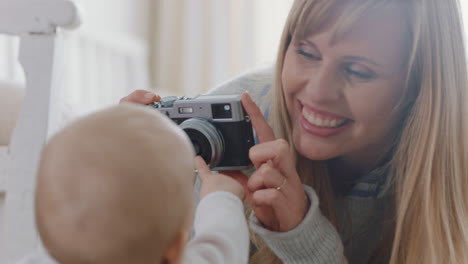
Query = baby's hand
x=216 y=182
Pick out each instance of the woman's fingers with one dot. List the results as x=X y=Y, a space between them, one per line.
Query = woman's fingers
x=265 y=177
x=276 y=204
x=276 y=211
x=269 y=197
x=262 y=128
x=276 y=151
x=277 y=194
x=141 y=97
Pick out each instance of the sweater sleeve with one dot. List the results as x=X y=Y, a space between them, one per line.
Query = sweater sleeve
x=313 y=241
x=221 y=231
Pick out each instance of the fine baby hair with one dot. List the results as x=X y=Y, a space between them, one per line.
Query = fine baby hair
x=115 y=187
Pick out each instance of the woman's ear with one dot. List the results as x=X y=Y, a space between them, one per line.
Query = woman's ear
x=175 y=251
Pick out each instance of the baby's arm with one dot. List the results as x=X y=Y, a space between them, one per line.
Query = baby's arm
x=221 y=232
x=40 y=256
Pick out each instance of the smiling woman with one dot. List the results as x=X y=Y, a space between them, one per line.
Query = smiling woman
x=362 y=99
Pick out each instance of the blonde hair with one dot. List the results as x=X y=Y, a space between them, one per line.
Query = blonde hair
x=430 y=164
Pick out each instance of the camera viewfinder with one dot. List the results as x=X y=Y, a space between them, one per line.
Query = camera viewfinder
x=221 y=111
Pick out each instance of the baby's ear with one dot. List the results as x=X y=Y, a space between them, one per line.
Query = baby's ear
x=176 y=250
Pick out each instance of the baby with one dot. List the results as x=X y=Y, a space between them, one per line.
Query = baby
x=117 y=187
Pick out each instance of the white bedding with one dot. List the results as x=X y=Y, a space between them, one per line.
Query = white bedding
x=11 y=99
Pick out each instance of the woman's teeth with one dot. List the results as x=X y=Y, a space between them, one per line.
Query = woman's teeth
x=318 y=121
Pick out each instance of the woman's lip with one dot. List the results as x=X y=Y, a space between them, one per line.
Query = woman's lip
x=321 y=113
x=322 y=131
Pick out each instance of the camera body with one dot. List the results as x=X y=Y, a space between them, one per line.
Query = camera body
x=218 y=126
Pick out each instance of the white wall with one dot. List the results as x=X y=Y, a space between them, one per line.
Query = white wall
x=10 y=69
x=269 y=18
x=464 y=6
x=108 y=57
x=127 y=17
x=196 y=44
x=199 y=44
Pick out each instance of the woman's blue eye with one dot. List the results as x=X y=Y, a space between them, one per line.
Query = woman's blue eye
x=307 y=55
x=348 y=68
x=358 y=74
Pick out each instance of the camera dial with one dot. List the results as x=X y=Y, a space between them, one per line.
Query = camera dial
x=168 y=101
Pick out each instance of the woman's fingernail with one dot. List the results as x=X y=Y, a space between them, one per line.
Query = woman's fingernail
x=149 y=95
x=247 y=96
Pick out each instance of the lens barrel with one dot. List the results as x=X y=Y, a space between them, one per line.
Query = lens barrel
x=206 y=139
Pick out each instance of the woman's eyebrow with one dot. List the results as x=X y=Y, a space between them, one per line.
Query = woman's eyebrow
x=355 y=58
x=359 y=58
x=311 y=44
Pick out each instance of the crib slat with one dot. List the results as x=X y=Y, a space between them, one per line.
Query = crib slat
x=33 y=127
x=40 y=57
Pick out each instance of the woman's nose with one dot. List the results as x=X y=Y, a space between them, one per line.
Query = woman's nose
x=325 y=85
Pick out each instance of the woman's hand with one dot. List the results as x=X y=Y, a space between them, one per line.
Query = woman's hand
x=141 y=97
x=217 y=182
x=275 y=190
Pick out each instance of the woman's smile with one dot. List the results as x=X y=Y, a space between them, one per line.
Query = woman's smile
x=322 y=123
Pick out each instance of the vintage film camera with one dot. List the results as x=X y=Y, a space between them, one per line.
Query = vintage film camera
x=217 y=125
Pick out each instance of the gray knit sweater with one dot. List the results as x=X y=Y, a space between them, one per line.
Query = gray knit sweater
x=361 y=213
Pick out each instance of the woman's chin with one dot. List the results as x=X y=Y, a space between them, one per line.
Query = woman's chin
x=314 y=150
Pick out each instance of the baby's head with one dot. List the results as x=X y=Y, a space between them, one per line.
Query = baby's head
x=116 y=187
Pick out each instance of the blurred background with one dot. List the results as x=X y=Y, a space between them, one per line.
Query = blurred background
x=174 y=47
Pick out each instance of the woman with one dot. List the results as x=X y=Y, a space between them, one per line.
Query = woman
x=367 y=115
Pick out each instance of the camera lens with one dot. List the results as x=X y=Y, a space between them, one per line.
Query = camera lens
x=206 y=139
x=197 y=147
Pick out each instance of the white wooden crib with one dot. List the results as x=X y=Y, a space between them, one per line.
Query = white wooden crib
x=37 y=23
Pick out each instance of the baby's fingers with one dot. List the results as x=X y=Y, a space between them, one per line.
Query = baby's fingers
x=239 y=176
x=203 y=171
